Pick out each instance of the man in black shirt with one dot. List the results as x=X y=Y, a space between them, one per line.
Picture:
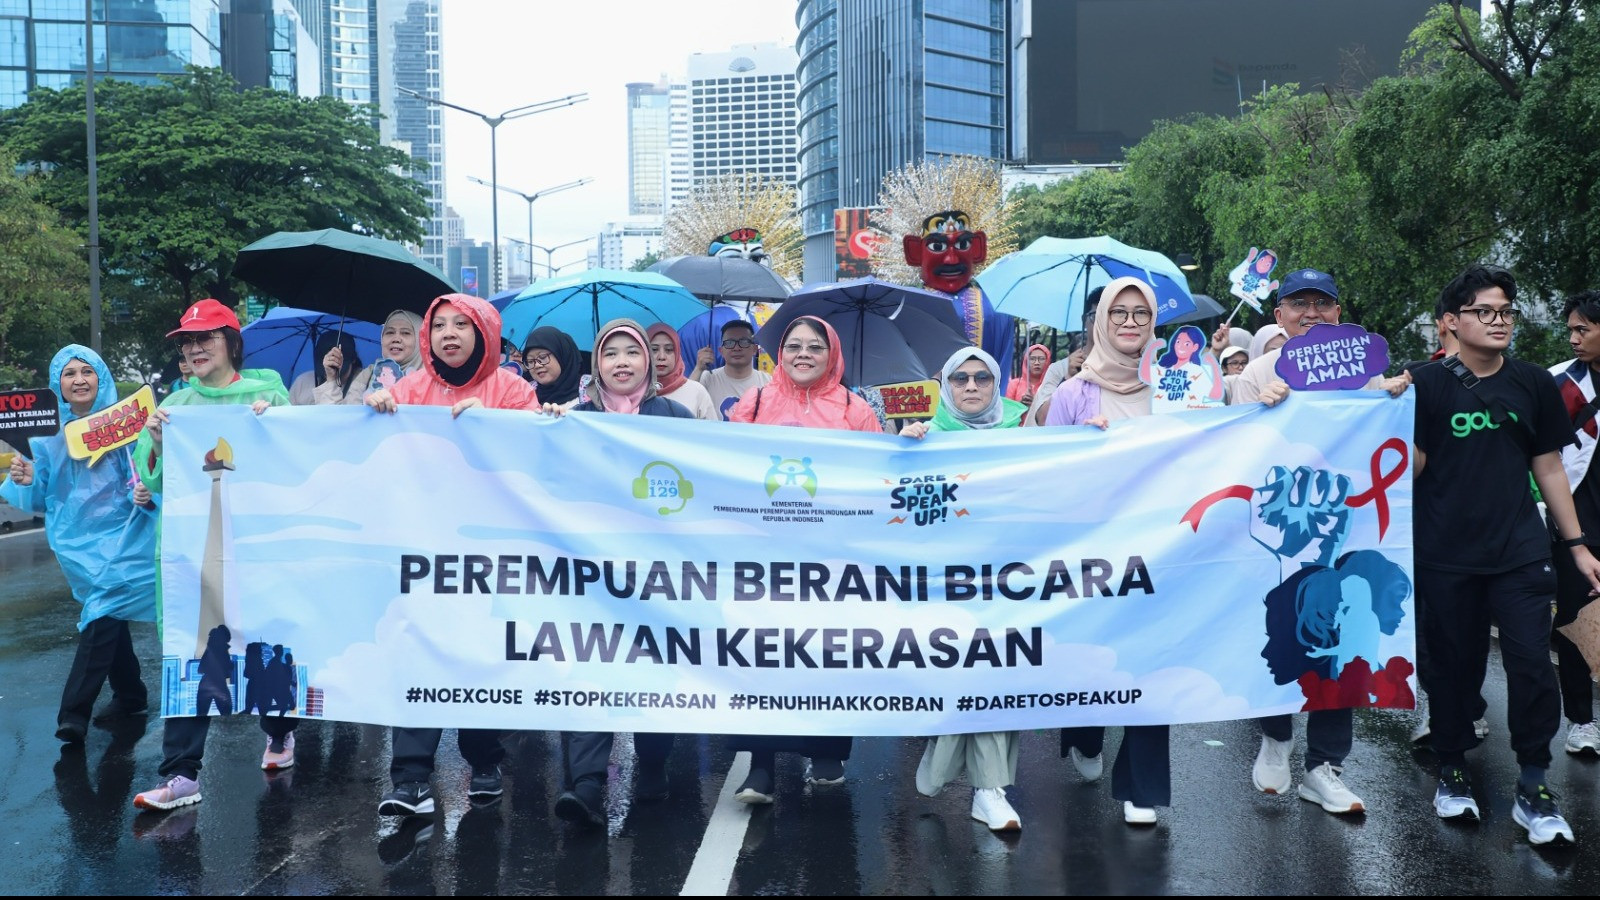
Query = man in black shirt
x=1484 y=421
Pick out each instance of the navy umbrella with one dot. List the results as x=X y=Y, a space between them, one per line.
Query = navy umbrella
x=285 y=340
x=888 y=333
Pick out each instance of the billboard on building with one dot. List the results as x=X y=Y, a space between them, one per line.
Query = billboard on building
x=853 y=239
x=1080 y=102
x=469 y=280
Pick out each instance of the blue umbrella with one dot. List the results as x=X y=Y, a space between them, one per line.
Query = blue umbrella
x=579 y=304
x=503 y=299
x=285 y=339
x=888 y=332
x=1048 y=281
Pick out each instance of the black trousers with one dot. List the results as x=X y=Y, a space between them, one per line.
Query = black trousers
x=105 y=652
x=1142 y=772
x=1329 y=734
x=1460 y=606
x=414 y=750
x=765 y=748
x=589 y=752
x=183 y=741
x=1572 y=670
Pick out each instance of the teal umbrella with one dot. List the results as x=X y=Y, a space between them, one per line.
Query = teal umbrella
x=1048 y=281
x=351 y=275
x=579 y=304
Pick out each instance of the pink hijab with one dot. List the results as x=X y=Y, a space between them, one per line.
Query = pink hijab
x=607 y=399
x=674 y=378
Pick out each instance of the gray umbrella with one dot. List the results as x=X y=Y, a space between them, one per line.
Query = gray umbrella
x=1204 y=308
x=724 y=278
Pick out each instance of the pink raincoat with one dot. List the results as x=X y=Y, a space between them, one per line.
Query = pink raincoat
x=825 y=404
x=498 y=388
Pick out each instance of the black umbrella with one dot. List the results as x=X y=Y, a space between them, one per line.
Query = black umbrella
x=724 y=278
x=340 y=273
x=1204 y=308
x=888 y=333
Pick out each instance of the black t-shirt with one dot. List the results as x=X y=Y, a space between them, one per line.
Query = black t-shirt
x=1474 y=509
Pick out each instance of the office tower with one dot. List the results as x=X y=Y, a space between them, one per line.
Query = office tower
x=742 y=112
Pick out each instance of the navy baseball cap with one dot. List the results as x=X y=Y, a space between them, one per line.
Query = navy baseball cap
x=1307 y=280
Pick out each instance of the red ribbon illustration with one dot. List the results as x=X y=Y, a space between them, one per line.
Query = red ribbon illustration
x=1378 y=494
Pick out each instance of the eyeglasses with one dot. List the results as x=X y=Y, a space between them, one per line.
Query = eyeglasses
x=960 y=379
x=1486 y=315
x=197 y=338
x=1119 y=316
x=737 y=343
x=815 y=349
x=1301 y=304
x=539 y=359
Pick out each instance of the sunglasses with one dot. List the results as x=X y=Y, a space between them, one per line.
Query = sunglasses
x=960 y=379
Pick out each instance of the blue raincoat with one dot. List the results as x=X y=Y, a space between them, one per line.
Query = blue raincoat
x=105 y=544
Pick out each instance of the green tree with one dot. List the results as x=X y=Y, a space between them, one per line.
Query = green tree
x=645 y=262
x=193 y=169
x=43 y=282
x=1093 y=203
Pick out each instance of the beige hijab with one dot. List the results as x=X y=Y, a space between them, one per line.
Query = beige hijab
x=1122 y=394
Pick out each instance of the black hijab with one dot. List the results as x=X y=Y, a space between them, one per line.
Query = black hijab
x=567 y=355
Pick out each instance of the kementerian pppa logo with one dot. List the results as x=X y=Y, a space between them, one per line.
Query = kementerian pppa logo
x=784 y=474
x=926 y=499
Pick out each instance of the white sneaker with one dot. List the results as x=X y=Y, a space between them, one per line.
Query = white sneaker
x=989 y=806
x=1137 y=815
x=1480 y=729
x=1089 y=767
x=1271 y=772
x=1583 y=737
x=1323 y=786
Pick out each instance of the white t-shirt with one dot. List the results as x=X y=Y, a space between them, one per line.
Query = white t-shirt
x=726 y=391
x=695 y=399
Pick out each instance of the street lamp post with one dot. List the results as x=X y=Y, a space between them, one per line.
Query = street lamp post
x=94 y=177
x=494 y=159
x=548 y=253
x=530 y=198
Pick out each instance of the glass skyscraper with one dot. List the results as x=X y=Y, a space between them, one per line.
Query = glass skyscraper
x=42 y=41
x=886 y=83
x=649 y=146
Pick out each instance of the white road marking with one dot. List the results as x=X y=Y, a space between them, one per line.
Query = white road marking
x=712 y=871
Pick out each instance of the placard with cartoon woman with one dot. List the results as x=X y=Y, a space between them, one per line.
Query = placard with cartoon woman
x=1185 y=376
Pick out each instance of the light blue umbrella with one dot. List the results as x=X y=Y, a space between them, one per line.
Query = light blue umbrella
x=579 y=304
x=285 y=339
x=1048 y=281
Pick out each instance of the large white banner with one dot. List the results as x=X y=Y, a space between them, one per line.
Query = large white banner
x=609 y=572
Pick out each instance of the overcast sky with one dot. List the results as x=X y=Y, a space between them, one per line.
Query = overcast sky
x=500 y=54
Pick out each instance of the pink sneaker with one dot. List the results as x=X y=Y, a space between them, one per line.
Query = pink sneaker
x=179 y=791
x=282 y=758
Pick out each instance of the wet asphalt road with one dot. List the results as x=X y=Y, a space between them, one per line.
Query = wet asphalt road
x=314 y=829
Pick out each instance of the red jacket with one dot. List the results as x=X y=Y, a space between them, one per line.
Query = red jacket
x=498 y=388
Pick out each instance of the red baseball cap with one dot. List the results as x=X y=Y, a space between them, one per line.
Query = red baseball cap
x=206 y=315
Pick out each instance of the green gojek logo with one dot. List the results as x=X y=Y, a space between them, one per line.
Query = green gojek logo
x=1463 y=424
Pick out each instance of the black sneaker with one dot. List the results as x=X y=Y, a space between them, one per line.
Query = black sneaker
x=485 y=784
x=1454 y=798
x=826 y=770
x=650 y=781
x=582 y=805
x=414 y=798
x=71 y=733
x=413 y=834
x=757 y=787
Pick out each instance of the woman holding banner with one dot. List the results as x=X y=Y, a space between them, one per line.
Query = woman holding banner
x=1106 y=390
x=806 y=392
x=624 y=383
x=461 y=370
x=104 y=537
x=208 y=337
x=969 y=399
x=556 y=364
